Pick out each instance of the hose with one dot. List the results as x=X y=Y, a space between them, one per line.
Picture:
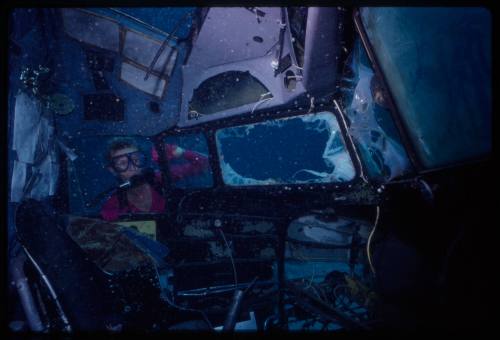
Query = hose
x=368 y=243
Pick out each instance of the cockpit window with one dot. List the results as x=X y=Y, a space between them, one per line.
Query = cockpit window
x=302 y=149
x=370 y=122
x=227 y=90
x=437 y=62
x=90 y=181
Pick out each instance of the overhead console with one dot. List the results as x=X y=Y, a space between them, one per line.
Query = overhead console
x=247 y=59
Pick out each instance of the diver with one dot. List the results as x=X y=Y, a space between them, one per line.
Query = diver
x=140 y=186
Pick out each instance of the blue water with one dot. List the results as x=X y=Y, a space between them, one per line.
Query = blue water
x=268 y=151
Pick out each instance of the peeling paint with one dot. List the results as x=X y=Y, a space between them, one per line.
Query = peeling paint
x=260 y=227
x=199 y=228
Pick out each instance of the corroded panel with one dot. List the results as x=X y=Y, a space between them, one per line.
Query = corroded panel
x=106 y=245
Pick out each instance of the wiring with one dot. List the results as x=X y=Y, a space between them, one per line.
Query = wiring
x=164 y=296
x=347 y=304
x=318 y=293
x=368 y=243
x=312 y=277
x=231 y=258
x=336 y=294
x=261 y=101
x=189 y=310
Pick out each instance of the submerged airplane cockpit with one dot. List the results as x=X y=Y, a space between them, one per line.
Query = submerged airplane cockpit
x=229 y=169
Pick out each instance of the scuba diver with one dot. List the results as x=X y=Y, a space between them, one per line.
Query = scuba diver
x=140 y=186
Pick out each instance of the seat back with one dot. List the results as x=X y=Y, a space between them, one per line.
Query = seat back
x=80 y=286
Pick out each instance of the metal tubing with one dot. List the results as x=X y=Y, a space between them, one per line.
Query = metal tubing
x=62 y=315
x=234 y=311
x=23 y=289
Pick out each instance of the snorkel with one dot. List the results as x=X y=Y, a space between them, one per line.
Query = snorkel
x=146 y=176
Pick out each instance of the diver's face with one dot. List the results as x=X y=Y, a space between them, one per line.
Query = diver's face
x=124 y=164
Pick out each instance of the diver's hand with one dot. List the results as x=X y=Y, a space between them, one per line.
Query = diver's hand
x=177 y=151
x=173 y=151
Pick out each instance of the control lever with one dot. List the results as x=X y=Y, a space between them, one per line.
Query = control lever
x=234 y=310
